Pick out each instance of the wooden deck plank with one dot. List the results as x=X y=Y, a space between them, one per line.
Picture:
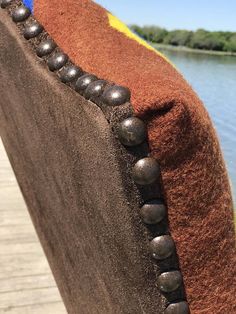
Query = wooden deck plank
x=49 y=308
x=26 y=282
x=29 y=297
x=25 y=264
x=24 y=232
x=13 y=218
x=22 y=247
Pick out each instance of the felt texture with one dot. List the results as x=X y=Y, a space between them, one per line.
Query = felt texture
x=181 y=138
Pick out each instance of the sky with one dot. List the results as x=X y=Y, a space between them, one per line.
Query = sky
x=176 y=14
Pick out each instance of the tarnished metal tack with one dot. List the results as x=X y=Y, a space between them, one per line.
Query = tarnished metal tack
x=170 y=281
x=45 y=48
x=83 y=82
x=70 y=73
x=116 y=95
x=32 y=30
x=57 y=61
x=146 y=171
x=95 y=89
x=132 y=131
x=162 y=247
x=178 y=308
x=5 y=3
x=20 y=14
x=153 y=212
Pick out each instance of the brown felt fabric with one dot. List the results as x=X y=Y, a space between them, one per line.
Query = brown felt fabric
x=71 y=171
x=181 y=137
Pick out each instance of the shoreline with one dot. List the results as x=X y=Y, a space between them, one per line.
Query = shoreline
x=190 y=50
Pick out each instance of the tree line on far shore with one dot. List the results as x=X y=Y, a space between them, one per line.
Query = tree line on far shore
x=199 y=39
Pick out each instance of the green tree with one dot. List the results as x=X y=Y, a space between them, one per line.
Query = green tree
x=200 y=39
x=230 y=45
x=150 y=33
x=137 y=29
x=203 y=39
x=178 y=38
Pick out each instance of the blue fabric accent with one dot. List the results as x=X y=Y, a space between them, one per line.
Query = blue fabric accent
x=29 y=4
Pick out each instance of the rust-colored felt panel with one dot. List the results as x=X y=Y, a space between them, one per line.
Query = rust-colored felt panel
x=181 y=137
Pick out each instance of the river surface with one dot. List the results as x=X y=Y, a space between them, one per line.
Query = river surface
x=214 y=79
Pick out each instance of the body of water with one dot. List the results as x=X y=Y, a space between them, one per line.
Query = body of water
x=214 y=79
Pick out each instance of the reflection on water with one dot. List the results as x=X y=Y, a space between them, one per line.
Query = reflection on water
x=214 y=79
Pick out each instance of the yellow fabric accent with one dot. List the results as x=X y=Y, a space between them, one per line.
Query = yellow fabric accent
x=121 y=27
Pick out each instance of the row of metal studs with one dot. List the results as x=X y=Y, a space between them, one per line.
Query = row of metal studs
x=131 y=132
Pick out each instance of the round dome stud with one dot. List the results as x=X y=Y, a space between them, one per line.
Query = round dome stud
x=57 y=61
x=153 y=212
x=170 y=281
x=95 y=89
x=162 y=247
x=84 y=81
x=116 y=95
x=5 y=3
x=132 y=131
x=32 y=30
x=70 y=73
x=20 y=14
x=146 y=171
x=178 y=308
x=45 y=48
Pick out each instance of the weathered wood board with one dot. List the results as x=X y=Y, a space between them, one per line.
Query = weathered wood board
x=26 y=283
